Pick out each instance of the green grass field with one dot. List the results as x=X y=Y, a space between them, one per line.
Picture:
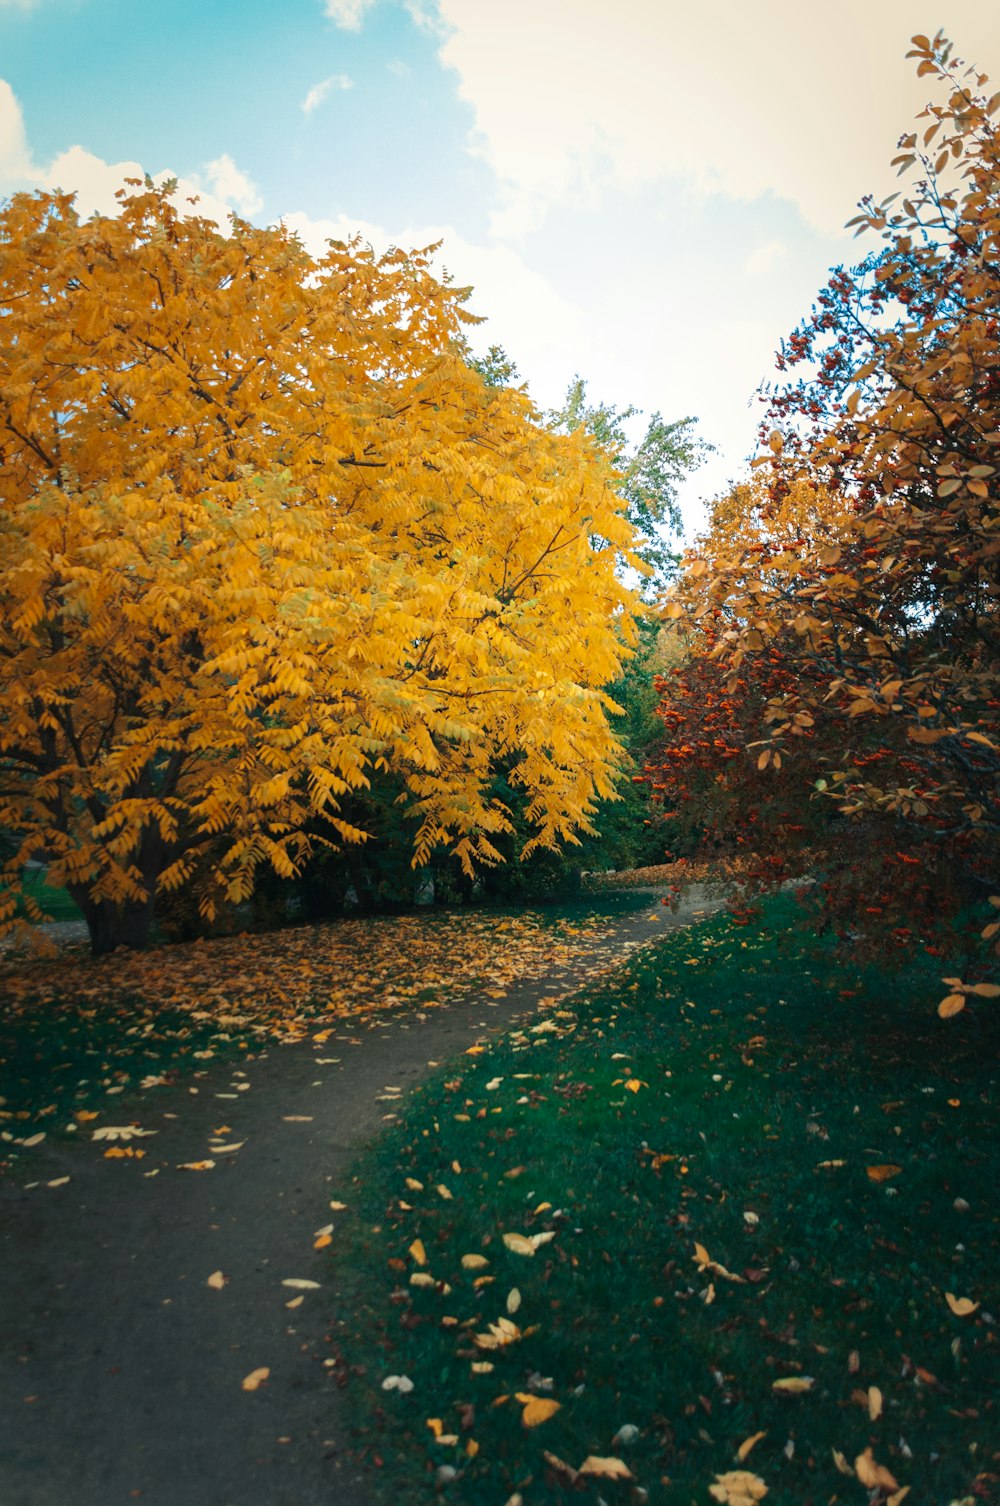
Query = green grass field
x=758 y=1172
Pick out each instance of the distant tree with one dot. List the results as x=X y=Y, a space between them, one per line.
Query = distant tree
x=649 y=473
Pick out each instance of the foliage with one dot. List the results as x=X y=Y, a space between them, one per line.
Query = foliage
x=850 y=601
x=648 y=473
x=266 y=536
x=661 y=1188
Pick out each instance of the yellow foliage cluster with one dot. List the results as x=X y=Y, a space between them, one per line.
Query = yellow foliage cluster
x=264 y=534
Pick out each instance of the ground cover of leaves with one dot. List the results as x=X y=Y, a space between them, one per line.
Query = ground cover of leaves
x=76 y=1031
x=723 y=1227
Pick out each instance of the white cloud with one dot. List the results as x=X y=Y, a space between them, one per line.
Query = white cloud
x=220 y=187
x=319 y=91
x=398 y=68
x=347 y=14
x=778 y=97
x=231 y=185
x=763 y=261
x=18 y=4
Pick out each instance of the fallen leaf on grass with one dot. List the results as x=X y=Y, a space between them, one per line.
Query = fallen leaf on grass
x=397 y=1383
x=526 y=1244
x=560 y=1466
x=255 y=1378
x=216 y=1281
x=960 y=1306
x=841 y=1463
x=605 y=1468
x=513 y=1300
x=418 y=1252
x=872 y=1475
x=474 y=1262
x=883 y=1173
x=338 y=1207
x=748 y=1444
x=537 y=1409
x=738 y=1487
x=874 y=1403
x=501 y=1333
x=793 y=1384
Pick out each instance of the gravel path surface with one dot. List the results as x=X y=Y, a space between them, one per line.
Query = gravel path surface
x=120 y=1368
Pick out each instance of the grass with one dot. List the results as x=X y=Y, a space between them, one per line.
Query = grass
x=809 y=1127
x=55 y=903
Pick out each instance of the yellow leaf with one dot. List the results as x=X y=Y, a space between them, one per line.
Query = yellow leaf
x=195 y=1165
x=513 y=1300
x=738 y=1487
x=519 y=1244
x=216 y=1281
x=321 y=1242
x=537 y=1409
x=748 y=1444
x=874 y=1403
x=605 y=1468
x=985 y=990
x=633 y=1084
x=841 y=1463
x=960 y=1306
x=872 y=1475
x=255 y=1378
x=793 y=1384
x=414 y=1185
x=418 y=1252
x=474 y=1262
x=953 y=1004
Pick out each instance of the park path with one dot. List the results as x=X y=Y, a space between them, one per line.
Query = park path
x=120 y=1368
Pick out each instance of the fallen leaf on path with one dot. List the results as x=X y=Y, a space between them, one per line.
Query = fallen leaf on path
x=120 y=1132
x=195 y=1165
x=299 y=1283
x=255 y=1378
x=216 y=1281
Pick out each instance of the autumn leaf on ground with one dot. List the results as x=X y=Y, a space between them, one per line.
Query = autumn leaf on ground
x=872 y=1475
x=299 y=1283
x=793 y=1385
x=255 y=1378
x=474 y=1262
x=195 y=1165
x=120 y=1132
x=605 y=1468
x=500 y=1333
x=217 y=1281
x=748 y=1444
x=738 y=1487
x=418 y=1252
x=883 y=1173
x=513 y=1300
x=537 y=1409
x=962 y=1307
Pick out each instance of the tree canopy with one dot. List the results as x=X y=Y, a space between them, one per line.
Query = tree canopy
x=850 y=595
x=266 y=535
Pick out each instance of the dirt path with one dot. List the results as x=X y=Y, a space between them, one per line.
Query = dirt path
x=120 y=1369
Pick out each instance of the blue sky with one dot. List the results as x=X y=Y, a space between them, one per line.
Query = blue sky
x=647 y=193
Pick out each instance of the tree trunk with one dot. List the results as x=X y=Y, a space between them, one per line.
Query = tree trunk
x=111 y=926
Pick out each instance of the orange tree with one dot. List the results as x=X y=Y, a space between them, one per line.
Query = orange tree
x=267 y=538
x=867 y=552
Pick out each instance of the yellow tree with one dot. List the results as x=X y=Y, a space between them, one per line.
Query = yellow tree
x=265 y=533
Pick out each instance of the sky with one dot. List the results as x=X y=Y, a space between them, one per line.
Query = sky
x=645 y=193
